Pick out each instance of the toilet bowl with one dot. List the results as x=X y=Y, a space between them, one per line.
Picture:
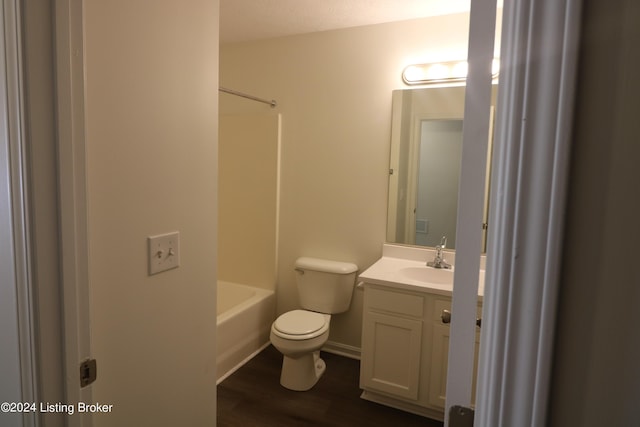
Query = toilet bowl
x=299 y=335
x=324 y=287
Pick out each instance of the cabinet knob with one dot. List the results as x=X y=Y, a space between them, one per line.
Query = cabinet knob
x=446 y=316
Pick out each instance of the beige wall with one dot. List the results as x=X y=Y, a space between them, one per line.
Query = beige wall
x=248 y=196
x=151 y=108
x=334 y=93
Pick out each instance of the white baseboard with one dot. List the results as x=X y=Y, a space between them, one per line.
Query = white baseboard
x=342 y=349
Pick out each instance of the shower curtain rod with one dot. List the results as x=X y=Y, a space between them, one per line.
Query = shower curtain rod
x=273 y=102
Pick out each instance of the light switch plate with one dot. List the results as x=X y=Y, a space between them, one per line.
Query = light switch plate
x=164 y=252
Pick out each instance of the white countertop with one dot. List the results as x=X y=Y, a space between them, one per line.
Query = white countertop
x=388 y=271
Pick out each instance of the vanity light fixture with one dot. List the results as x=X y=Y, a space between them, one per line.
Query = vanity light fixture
x=441 y=72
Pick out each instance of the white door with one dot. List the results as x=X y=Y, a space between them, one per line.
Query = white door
x=470 y=207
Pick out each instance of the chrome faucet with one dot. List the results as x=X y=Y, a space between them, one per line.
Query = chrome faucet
x=438 y=261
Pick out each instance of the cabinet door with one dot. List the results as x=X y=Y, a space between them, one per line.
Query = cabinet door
x=391 y=355
x=440 y=358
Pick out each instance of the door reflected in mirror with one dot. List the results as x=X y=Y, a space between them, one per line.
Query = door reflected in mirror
x=426 y=149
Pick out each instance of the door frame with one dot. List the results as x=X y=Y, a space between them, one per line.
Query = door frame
x=539 y=56
x=528 y=197
x=511 y=256
x=74 y=248
x=17 y=329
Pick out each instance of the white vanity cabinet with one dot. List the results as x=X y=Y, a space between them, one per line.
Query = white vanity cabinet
x=405 y=349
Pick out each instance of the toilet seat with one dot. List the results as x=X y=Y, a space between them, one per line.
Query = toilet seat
x=300 y=325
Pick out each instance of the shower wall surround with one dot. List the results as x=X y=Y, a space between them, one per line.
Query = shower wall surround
x=247 y=197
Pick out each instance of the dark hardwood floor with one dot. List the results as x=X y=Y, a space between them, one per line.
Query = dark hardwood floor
x=253 y=396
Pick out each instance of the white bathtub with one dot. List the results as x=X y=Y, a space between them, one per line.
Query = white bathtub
x=244 y=318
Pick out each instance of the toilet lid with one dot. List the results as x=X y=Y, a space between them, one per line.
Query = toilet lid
x=299 y=322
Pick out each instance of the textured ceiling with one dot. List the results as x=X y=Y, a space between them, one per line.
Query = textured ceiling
x=243 y=20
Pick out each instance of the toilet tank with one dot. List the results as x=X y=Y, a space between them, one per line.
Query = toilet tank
x=325 y=286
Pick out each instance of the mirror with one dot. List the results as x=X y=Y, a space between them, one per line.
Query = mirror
x=426 y=149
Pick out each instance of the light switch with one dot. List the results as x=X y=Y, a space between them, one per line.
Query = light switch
x=164 y=252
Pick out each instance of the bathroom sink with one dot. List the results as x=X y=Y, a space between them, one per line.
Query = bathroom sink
x=437 y=276
x=404 y=267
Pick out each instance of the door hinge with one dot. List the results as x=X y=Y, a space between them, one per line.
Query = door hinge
x=88 y=372
x=460 y=416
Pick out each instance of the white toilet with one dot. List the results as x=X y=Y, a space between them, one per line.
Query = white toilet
x=324 y=287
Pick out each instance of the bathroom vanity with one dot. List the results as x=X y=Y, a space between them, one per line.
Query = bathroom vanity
x=405 y=332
